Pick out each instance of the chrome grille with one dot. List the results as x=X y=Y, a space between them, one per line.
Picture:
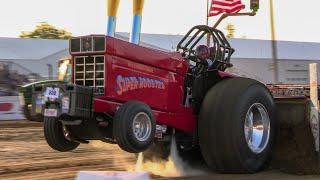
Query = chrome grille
x=89 y=71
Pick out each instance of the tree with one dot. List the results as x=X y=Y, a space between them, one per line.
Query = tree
x=46 y=31
x=230 y=30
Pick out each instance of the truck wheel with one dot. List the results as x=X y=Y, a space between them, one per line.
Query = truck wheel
x=56 y=135
x=27 y=114
x=237 y=126
x=134 y=127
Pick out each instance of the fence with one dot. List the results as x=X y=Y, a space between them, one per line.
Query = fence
x=10 y=108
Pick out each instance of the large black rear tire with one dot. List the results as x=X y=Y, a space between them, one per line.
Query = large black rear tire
x=223 y=139
x=130 y=115
x=55 y=136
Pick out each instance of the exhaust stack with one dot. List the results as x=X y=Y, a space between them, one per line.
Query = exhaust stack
x=137 y=20
x=112 y=7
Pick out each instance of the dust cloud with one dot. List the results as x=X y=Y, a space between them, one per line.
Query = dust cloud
x=98 y=144
x=173 y=167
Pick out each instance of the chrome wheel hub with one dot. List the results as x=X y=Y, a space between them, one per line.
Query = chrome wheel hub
x=257 y=128
x=142 y=126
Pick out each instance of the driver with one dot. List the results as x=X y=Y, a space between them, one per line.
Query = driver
x=203 y=54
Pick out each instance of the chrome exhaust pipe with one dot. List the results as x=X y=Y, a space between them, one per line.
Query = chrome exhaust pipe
x=137 y=20
x=112 y=9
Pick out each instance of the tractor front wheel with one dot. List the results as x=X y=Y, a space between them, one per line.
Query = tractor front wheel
x=134 y=127
x=237 y=126
x=56 y=135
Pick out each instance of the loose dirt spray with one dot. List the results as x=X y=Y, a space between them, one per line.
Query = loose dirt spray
x=99 y=144
x=173 y=167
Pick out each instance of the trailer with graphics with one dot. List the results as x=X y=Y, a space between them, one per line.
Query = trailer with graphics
x=141 y=98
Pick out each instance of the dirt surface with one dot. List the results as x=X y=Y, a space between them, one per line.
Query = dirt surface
x=24 y=154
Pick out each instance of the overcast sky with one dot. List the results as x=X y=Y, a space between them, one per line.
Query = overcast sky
x=294 y=21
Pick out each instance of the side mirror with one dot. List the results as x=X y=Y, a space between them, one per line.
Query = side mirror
x=254 y=5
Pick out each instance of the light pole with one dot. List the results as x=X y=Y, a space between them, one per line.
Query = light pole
x=274 y=45
x=50 y=71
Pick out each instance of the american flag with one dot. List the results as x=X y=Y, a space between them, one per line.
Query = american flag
x=225 y=6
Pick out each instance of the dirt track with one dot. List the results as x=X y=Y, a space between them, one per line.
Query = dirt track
x=25 y=155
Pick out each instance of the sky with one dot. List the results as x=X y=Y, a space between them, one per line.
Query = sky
x=295 y=20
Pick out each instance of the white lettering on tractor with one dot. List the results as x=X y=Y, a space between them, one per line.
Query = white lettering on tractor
x=125 y=84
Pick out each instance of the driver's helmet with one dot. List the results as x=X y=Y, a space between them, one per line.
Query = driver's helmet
x=203 y=52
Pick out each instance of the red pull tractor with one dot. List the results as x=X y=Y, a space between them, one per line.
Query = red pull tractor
x=139 y=98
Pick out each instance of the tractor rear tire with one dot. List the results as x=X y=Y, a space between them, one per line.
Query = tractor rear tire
x=55 y=136
x=228 y=142
x=134 y=127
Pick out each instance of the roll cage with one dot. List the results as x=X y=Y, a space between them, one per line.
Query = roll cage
x=221 y=49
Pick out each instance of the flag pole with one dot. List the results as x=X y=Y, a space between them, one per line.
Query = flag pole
x=274 y=45
x=207 y=23
x=207 y=14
